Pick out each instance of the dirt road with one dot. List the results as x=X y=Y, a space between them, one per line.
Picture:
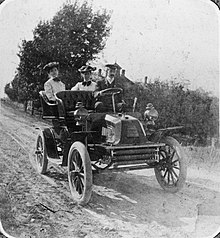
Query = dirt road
x=125 y=205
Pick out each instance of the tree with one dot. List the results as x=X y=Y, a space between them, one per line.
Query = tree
x=10 y=92
x=29 y=76
x=11 y=89
x=74 y=36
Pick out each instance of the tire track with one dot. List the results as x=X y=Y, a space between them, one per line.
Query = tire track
x=18 y=164
x=61 y=186
x=36 y=196
x=26 y=185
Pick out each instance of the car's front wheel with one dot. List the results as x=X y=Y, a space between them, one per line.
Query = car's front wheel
x=80 y=173
x=171 y=169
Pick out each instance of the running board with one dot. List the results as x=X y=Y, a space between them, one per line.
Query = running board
x=126 y=168
x=126 y=147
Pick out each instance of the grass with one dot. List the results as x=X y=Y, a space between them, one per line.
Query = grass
x=203 y=156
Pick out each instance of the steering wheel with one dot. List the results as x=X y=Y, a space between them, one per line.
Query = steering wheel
x=110 y=91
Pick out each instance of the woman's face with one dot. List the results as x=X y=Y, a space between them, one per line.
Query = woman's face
x=53 y=73
x=86 y=76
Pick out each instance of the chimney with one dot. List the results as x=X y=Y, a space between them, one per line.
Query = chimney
x=123 y=72
x=146 y=80
x=100 y=72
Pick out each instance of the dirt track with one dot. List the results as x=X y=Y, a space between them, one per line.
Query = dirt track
x=123 y=204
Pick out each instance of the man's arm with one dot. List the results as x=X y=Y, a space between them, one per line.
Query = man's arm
x=99 y=87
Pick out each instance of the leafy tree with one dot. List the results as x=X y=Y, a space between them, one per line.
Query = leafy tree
x=30 y=80
x=74 y=36
x=11 y=89
x=10 y=92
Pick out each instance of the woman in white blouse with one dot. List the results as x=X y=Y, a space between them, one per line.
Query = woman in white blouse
x=53 y=84
x=87 y=84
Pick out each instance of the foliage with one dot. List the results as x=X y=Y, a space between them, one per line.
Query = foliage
x=74 y=36
x=10 y=92
x=196 y=110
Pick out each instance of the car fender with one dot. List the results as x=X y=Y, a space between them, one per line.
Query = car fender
x=160 y=133
x=50 y=143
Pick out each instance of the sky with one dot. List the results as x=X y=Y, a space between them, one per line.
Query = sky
x=165 y=39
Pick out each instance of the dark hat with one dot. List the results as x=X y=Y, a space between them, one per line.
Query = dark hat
x=112 y=66
x=51 y=65
x=86 y=68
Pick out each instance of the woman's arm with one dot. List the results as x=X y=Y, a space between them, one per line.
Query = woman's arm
x=49 y=91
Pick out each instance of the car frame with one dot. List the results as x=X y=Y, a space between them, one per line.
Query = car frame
x=86 y=141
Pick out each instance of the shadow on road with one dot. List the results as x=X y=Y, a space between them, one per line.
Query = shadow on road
x=139 y=199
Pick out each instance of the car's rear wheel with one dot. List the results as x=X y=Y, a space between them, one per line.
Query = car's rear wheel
x=172 y=169
x=80 y=173
x=41 y=154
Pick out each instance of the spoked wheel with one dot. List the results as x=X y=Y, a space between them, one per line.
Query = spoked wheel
x=40 y=154
x=80 y=173
x=171 y=170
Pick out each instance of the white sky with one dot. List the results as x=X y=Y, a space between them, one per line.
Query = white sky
x=154 y=38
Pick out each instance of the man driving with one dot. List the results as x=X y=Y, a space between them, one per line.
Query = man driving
x=104 y=102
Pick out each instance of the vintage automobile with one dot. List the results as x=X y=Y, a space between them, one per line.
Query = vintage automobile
x=87 y=141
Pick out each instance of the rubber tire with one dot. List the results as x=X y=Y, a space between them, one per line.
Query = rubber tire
x=86 y=163
x=42 y=169
x=170 y=141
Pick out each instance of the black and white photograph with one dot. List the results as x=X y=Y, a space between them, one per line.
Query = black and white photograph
x=109 y=119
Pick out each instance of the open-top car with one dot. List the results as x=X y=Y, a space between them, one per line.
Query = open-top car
x=87 y=141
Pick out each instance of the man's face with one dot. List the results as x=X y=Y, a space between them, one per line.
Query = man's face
x=53 y=72
x=111 y=72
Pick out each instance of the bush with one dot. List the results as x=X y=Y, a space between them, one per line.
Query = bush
x=196 y=110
